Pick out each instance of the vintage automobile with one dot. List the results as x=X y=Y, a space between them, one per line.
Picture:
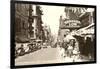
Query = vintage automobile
x=30 y=46
x=44 y=45
x=34 y=45
x=38 y=44
x=19 y=51
x=25 y=48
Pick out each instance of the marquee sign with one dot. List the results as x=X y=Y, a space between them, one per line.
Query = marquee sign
x=72 y=23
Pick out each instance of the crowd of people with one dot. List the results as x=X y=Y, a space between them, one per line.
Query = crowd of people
x=77 y=47
x=69 y=47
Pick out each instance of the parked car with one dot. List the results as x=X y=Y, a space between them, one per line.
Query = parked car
x=20 y=51
x=30 y=46
x=44 y=45
x=38 y=44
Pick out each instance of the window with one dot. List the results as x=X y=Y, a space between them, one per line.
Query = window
x=17 y=25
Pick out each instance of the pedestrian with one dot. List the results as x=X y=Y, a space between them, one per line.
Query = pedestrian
x=72 y=42
x=76 y=54
x=64 y=45
x=62 y=51
x=70 y=50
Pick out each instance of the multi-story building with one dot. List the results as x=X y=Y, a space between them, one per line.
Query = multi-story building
x=28 y=22
x=40 y=32
x=86 y=34
x=68 y=24
x=36 y=28
x=47 y=33
x=21 y=22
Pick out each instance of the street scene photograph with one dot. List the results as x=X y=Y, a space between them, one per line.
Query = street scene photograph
x=47 y=34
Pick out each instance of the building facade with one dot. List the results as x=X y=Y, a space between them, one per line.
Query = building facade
x=40 y=31
x=35 y=21
x=86 y=34
x=68 y=24
x=47 y=33
x=21 y=22
x=28 y=22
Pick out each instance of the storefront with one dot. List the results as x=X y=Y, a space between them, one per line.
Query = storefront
x=86 y=39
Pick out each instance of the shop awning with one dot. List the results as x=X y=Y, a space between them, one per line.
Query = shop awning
x=89 y=30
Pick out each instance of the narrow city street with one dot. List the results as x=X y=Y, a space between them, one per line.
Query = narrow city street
x=44 y=56
x=63 y=35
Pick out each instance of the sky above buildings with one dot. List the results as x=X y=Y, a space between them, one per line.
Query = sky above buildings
x=51 y=16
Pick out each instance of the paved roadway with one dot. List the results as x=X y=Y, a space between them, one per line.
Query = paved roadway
x=47 y=55
x=43 y=56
